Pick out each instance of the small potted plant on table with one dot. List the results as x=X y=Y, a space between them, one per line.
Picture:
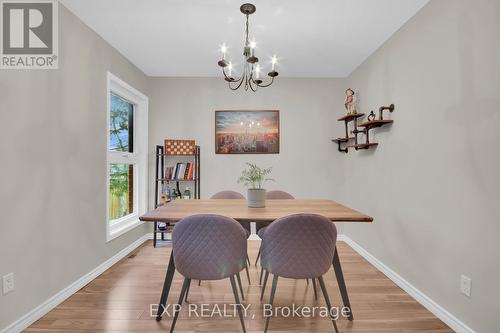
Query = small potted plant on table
x=253 y=178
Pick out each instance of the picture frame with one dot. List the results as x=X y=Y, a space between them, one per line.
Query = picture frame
x=247 y=132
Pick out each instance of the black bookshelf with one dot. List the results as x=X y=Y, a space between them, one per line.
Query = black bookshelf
x=161 y=180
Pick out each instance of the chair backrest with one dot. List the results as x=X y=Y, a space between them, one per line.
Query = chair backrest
x=277 y=195
x=209 y=247
x=232 y=195
x=227 y=195
x=299 y=246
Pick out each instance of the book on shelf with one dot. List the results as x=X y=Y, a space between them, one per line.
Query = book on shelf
x=186 y=173
x=169 y=171
x=181 y=171
x=174 y=175
x=190 y=171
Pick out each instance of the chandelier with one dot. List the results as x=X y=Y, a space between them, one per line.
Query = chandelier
x=251 y=76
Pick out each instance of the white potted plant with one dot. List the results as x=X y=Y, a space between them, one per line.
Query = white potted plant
x=253 y=178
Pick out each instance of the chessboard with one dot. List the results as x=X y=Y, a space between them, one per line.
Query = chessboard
x=180 y=147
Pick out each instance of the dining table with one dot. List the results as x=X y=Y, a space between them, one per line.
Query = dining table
x=238 y=209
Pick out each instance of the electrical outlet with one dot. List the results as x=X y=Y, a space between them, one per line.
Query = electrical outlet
x=8 y=283
x=465 y=285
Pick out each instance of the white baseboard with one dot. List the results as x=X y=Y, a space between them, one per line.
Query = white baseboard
x=341 y=238
x=150 y=235
x=41 y=310
x=453 y=322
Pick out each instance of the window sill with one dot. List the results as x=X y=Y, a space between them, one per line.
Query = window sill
x=117 y=229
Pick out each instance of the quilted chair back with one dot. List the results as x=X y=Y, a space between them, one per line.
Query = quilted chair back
x=232 y=195
x=272 y=195
x=299 y=246
x=227 y=195
x=209 y=247
x=278 y=195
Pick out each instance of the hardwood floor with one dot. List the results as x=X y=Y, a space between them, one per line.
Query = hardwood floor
x=119 y=301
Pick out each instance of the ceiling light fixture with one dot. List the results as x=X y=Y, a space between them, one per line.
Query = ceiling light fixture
x=251 y=68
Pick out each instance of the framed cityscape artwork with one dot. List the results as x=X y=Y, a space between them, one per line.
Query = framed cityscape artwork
x=247 y=132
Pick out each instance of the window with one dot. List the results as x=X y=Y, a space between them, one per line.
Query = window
x=127 y=118
x=121 y=124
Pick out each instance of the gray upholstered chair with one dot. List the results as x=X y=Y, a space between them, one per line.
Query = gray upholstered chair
x=232 y=195
x=246 y=225
x=261 y=227
x=209 y=247
x=306 y=240
x=278 y=195
x=227 y=195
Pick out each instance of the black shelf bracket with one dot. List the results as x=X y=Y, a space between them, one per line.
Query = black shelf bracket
x=340 y=149
x=389 y=108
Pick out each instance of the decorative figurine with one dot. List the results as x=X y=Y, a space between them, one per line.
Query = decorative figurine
x=350 y=101
x=371 y=116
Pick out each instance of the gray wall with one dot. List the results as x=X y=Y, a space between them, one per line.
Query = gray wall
x=184 y=108
x=433 y=184
x=53 y=168
x=433 y=179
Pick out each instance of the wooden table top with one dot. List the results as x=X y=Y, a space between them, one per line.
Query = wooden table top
x=238 y=210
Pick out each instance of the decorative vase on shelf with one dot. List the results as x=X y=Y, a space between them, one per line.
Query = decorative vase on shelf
x=256 y=197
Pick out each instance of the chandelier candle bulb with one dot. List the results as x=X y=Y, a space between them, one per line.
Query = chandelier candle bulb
x=223 y=49
x=273 y=63
x=252 y=47
x=222 y=62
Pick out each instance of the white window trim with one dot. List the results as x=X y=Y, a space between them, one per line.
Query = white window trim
x=139 y=157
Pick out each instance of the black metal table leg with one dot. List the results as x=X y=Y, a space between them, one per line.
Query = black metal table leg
x=340 y=280
x=166 y=286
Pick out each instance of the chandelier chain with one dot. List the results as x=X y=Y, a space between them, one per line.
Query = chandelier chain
x=246 y=43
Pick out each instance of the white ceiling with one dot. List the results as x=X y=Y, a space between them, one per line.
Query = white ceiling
x=318 y=38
